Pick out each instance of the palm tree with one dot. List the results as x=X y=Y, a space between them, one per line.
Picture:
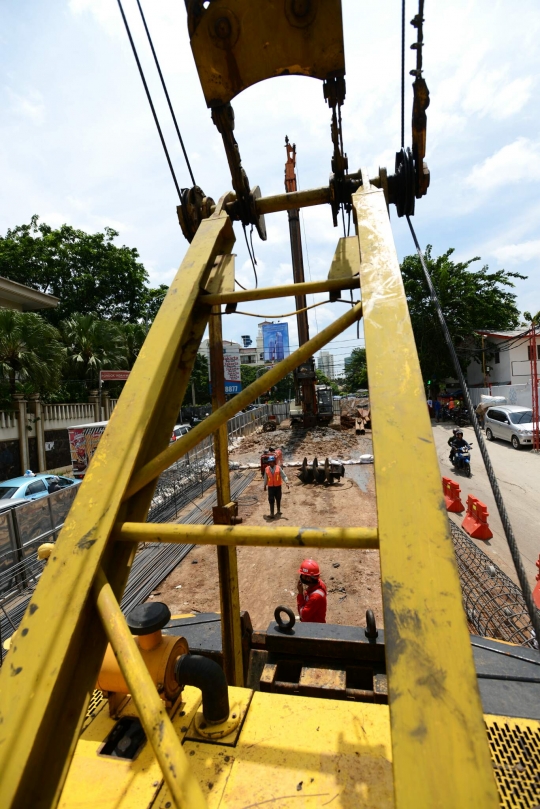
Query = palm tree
x=29 y=351
x=134 y=335
x=91 y=345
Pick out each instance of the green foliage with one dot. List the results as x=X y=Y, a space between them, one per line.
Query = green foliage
x=248 y=374
x=91 y=345
x=470 y=300
x=88 y=272
x=355 y=376
x=322 y=379
x=30 y=352
x=134 y=335
x=199 y=376
x=528 y=319
x=151 y=303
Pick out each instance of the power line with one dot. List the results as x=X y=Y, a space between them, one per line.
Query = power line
x=149 y=97
x=166 y=93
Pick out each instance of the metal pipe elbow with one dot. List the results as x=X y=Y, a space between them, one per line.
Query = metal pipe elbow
x=207 y=675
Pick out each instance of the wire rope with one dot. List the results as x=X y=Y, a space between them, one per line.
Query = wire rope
x=505 y=520
x=149 y=97
x=166 y=93
x=403 y=74
x=287 y=314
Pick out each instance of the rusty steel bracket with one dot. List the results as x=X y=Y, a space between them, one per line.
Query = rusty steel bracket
x=226 y=515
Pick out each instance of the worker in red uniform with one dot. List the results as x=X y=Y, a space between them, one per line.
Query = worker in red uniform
x=311 y=601
x=273 y=475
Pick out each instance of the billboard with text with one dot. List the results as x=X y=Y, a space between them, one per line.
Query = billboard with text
x=275 y=341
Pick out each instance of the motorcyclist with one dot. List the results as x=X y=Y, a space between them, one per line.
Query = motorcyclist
x=456 y=442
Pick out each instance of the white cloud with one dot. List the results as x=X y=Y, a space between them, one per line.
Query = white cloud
x=490 y=93
x=30 y=106
x=516 y=162
x=517 y=253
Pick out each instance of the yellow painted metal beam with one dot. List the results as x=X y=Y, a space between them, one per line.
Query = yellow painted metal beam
x=440 y=750
x=175 y=451
x=284 y=291
x=249 y=536
x=229 y=591
x=183 y=787
x=51 y=670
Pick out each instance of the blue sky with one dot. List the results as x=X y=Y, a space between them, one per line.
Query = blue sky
x=78 y=143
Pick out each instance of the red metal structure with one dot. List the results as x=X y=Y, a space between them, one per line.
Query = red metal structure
x=533 y=357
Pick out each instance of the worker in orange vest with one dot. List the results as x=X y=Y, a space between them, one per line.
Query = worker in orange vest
x=273 y=475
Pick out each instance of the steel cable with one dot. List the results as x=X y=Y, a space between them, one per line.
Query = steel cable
x=149 y=97
x=166 y=93
x=505 y=520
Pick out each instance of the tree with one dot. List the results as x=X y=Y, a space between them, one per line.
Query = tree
x=322 y=379
x=134 y=335
x=199 y=376
x=88 y=272
x=30 y=351
x=528 y=318
x=151 y=303
x=93 y=344
x=355 y=376
x=470 y=300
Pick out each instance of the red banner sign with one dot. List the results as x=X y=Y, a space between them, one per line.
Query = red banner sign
x=116 y=376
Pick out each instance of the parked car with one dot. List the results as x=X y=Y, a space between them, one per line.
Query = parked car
x=32 y=488
x=510 y=423
x=178 y=431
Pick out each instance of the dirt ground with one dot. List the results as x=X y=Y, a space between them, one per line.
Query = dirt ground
x=268 y=576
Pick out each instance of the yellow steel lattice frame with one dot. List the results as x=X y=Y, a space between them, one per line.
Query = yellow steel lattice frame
x=440 y=751
x=439 y=745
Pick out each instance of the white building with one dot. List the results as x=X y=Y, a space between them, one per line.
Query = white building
x=260 y=344
x=510 y=362
x=325 y=363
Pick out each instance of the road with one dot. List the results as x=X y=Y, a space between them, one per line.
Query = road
x=518 y=473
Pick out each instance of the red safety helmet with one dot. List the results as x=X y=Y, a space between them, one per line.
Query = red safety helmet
x=309 y=568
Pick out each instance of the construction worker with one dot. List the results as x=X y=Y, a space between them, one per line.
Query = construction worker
x=273 y=475
x=278 y=455
x=311 y=601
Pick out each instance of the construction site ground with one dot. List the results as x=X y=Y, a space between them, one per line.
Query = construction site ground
x=268 y=576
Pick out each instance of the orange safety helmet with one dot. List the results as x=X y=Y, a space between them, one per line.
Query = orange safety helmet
x=309 y=568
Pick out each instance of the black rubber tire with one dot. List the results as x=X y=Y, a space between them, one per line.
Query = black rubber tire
x=515 y=442
x=489 y=434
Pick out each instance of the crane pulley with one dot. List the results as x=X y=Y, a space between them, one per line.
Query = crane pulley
x=233 y=51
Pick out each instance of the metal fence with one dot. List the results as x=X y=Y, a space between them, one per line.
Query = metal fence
x=25 y=527
x=22 y=530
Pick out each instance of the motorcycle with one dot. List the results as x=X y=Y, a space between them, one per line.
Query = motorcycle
x=462 y=460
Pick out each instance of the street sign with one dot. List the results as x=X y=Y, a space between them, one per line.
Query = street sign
x=113 y=376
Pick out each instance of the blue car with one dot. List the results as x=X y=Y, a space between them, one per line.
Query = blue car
x=32 y=488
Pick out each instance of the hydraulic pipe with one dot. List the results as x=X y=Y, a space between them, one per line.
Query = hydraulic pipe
x=248 y=536
x=183 y=786
x=153 y=469
x=206 y=674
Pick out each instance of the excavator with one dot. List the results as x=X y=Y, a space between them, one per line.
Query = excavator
x=98 y=709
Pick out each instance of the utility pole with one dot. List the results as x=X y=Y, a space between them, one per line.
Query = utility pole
x=304 y=376
x=484 y=361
